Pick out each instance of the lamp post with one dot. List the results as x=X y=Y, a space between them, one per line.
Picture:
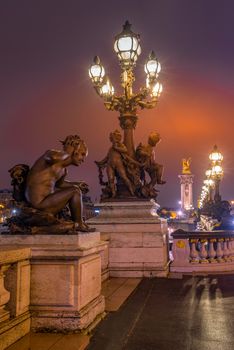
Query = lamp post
x=209 y=183
x=216 y=171
x=127 y=175
x=127 y=47
x=213 y=177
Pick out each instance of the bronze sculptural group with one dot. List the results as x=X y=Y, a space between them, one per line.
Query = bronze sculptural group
x=130 y=170
x=42 y=191
x=50 y=203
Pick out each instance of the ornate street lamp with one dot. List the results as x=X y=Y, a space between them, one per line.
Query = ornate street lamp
x=216 y=171
x=127 y=47
x=213 y=177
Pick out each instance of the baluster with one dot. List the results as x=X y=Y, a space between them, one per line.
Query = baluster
x=230 y=246
x=194 y=256
x=226 y=252
x=211 y=251
x=203 y=251
x=4 y=294
x=219 y=250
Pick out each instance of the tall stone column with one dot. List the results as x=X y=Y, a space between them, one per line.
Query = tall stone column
x=186 y=189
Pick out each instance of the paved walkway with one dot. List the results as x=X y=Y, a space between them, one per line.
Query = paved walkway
x=170 y=314
x=161 y=314
x=115 y=290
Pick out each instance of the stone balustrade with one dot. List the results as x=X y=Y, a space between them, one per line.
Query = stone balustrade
x=207 y=252
x=14 y=294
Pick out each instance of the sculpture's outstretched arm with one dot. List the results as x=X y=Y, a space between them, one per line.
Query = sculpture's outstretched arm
x=102 y=163
x=121 y=148
x=133 y=161
x=61 y=183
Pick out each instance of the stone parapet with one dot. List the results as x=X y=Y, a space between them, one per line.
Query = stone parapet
x=14 y=294
x=65 y=278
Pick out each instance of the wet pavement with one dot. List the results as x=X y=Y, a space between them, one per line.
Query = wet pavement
x=172 y=314
x=115 y=290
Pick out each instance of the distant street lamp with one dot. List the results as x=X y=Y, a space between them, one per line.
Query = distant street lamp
x=216 y=171
x=213 y=177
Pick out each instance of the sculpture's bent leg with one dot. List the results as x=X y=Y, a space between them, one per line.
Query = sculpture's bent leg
x=122 y=174
x=111 y=179
x=159 y=172
x=56 y=201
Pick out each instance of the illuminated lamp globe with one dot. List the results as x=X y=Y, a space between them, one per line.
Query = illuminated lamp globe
x=215 y=156
x=156 y=90
x=127 y=46
x=96 y=71
x=107 y=89
x=209 y=182
x=217 y=170
x=152 y=66
x=208 y=173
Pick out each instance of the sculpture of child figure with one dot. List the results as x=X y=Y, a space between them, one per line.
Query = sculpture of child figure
x=114 y=162
x=146 y=156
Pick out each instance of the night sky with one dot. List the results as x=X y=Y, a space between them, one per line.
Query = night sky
x=45 y=92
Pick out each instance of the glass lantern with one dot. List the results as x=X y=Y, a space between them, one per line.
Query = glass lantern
x=217 y=171
x=127 y=46
x=107 y=89
x=215 y=156
x=152 y=66
x=156 y=90
x=96 y=71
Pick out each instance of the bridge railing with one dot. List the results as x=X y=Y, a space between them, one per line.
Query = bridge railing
x=196 y=251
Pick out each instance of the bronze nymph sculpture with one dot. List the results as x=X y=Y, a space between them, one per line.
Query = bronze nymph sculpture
x=47 y=193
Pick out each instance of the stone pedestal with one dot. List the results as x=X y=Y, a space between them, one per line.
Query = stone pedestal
x=65 y=279
x=138 y=240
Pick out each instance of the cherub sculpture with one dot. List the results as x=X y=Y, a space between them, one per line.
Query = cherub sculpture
x=186 y=166
x=114 y=162
x=146 y=156
x=47 y=192
x=124 y=170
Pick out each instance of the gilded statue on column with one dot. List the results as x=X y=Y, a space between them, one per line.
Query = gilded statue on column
x=186 y=163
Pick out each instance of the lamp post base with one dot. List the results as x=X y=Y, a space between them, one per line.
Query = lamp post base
x=138 y=240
